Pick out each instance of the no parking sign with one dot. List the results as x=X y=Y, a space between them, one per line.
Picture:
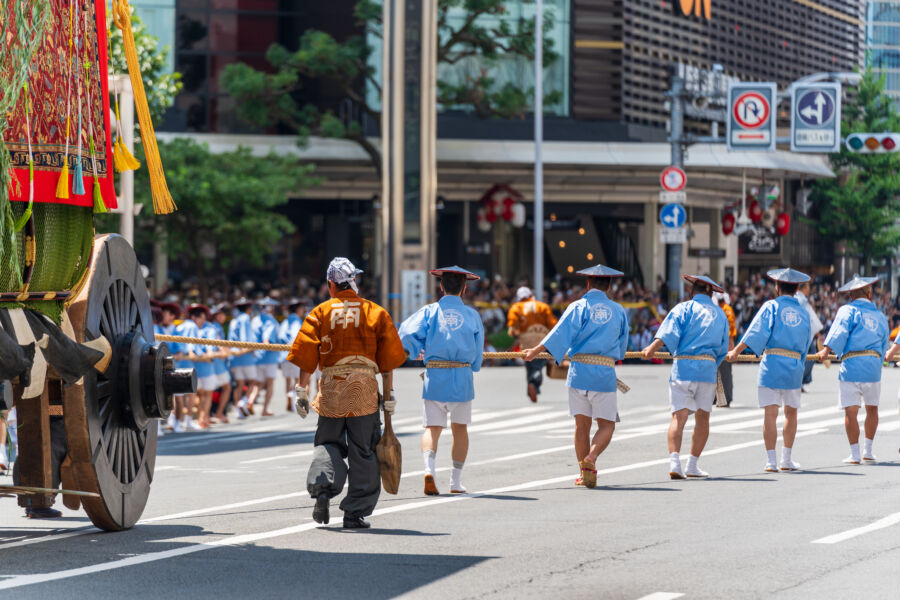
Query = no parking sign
x=751 y=119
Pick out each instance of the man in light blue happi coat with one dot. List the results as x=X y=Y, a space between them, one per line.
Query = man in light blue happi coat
x=243 y=362
x=220 y=362
x=859 y=336
x=593 y=332
x=696 y=333
x=265 y=330
x=780 y=332
x=451 y=336
x=287 y=333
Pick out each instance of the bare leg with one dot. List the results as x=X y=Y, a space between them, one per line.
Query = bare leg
x=676 y=429
x=460 y=445
x=851 y=424
x=789 y=431
x=582 y=436
x=288 y=388
x=601 y=439
x=871 y=421
x=238 y=391
x=701 y=432
x=252 y=394
x=770 y=429
x=430 y=438
x=270 y=391
x=224 y=395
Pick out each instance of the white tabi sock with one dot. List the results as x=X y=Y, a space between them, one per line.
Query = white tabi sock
x=429 y=461
x=456 y=475
x=692 y=461
x=854 y=451
x=868 y=446
x=770 y=455
x=674 y=459
x=785 y=454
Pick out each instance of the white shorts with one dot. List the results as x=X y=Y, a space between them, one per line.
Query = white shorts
x=855 y=393
x=247 y=373
x=596 y=405
x=435 y=413
x=772 y=397
x=692 y=395
x=267 y=371
x=210 y=383
x=223 y=379
x=290 y=370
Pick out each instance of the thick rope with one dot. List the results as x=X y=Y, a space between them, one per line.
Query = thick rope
x=585 y=358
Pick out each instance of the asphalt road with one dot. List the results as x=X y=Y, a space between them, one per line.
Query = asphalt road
x=229 y=517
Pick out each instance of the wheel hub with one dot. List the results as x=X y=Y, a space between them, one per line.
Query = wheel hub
x=147 y=374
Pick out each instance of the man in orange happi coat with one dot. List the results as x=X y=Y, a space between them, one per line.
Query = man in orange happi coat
x=530 y=320
x=350 y=339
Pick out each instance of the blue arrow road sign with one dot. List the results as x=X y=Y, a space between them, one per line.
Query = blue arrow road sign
x=672 y=215
x=815 y=107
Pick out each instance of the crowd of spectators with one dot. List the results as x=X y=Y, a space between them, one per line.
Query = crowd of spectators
x=646 y=307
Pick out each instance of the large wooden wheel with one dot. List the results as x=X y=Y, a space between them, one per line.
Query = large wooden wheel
x=111 y=418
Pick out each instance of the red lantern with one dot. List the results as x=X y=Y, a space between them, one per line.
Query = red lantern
x=508 y=205
x=755 y=211
x=783 y=224
x=728 y=222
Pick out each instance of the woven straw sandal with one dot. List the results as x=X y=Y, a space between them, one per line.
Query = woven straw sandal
x=588 y=473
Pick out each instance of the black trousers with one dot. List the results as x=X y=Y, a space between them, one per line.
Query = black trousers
x=727 y=380
x=534 y=373
x=807 y=368
x=354 y=439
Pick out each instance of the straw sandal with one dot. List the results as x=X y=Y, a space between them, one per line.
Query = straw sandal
x=588 y=474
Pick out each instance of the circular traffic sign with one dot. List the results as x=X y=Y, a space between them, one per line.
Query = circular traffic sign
x=815 y=107
x=672 y=215
x=673 y=179
x=751 y=110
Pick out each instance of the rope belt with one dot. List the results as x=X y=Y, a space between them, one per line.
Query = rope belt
x=347 y=369
x=783 y=352
x=446 y=364
x=603 y=361
x=594 y=359
x=705 y=357
x=856 y=353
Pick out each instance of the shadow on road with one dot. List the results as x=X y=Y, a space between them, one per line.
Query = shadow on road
x=376 y=531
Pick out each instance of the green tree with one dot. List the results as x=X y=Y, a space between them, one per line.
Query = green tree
x=161 y=87
x=861 y=206
x=481 y=39
x=227 y=215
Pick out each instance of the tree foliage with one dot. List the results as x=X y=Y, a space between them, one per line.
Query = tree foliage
x=481 y=39
x=861 y=206
x=227 y=215
x=161 y=87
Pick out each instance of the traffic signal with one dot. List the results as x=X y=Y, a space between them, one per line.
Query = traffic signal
x=873 y=143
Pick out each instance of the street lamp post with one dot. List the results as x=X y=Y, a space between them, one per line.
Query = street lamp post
x=538 y=158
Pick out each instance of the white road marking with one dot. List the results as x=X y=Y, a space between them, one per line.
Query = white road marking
x=50 y=537
x=888 y=521
x=24 y=580
x=661 y=596
x=279 y=457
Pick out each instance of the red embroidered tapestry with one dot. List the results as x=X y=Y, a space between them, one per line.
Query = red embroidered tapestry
x=60 y=84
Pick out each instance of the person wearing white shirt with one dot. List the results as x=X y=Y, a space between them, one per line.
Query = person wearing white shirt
x=816 y=326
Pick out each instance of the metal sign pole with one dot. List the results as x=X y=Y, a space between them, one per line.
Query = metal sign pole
x=538 y=159
x=673 y=251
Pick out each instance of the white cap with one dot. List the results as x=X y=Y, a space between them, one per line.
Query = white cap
x=341 y=270
x=523 y=293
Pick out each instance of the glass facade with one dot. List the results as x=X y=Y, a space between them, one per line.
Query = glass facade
x=883 y=42
x=503 y=70
x=159 y=17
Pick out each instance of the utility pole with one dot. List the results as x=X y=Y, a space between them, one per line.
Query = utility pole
x=676 y=138
x=538 y=158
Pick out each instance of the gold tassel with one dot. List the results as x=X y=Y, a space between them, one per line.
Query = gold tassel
x=131 y=163
x=117 y=158
x=62 y=186
x=162 y=199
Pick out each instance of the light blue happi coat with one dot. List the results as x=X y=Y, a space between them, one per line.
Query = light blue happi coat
x=696 y=327
x=446 y=330
x=265 y=330
x=288 y=330
x=592 y=325
x=859 y=326
x=217 y=333
x=780 y=323
x=241 y=330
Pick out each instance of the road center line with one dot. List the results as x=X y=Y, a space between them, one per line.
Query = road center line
x=661 y=596
x=888 y=521
x=24 y=580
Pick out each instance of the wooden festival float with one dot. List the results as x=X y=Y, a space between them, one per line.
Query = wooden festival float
x=76 y=332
